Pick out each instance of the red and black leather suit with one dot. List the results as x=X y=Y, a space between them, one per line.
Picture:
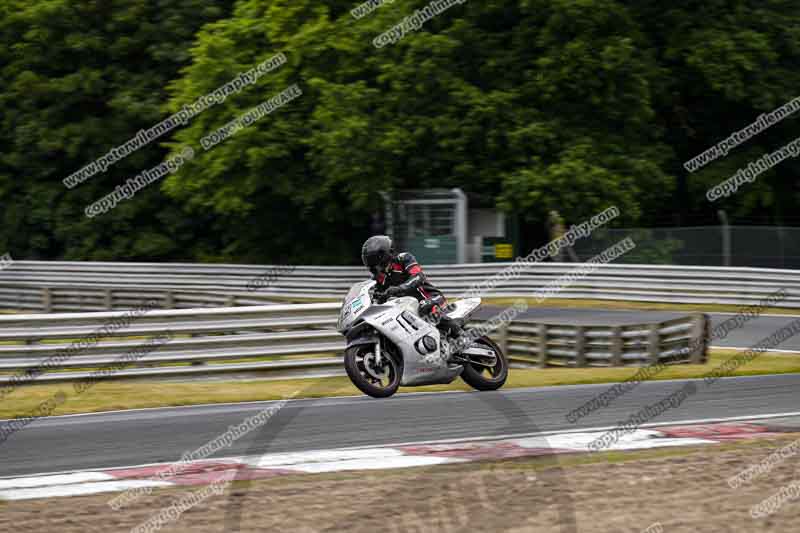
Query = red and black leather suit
x=406 y=277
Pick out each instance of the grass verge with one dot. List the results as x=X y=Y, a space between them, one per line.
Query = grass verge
x=114 y=395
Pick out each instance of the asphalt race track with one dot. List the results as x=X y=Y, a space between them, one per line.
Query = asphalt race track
x=162 y=435
x=137 y=437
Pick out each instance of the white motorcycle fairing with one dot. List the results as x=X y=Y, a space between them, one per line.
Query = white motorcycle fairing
x=398 y=320
x=390 y=345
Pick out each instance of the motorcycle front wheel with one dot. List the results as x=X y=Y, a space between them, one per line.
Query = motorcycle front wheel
x=481 y=377
x=379 y=379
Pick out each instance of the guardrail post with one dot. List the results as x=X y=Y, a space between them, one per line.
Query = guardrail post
x=169 y=300
x=108 y=300
x=580 y=346
x=726 y=237
x=616 y=346
x=698 y=339
x=654 y=344
x=47 y=300
x=542 y=345
x=231 y=301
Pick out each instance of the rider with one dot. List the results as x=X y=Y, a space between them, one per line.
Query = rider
x=400 y=275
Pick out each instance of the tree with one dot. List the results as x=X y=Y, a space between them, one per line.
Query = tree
x=79 y=79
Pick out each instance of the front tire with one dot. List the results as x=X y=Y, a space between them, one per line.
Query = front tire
x=483 y=378
x=378 y=381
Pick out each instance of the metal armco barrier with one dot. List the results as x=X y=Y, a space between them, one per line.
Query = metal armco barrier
x=284 y=337
x=93 y=286
x=681 y=340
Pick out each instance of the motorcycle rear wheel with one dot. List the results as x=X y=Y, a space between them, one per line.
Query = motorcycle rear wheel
x=483 y=378
x=360 y=367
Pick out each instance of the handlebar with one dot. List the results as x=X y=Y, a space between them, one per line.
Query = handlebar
x=379 y=297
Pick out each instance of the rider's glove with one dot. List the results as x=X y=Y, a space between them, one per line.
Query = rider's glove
x=391 y=292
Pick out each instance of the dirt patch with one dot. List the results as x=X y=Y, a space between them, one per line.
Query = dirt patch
x=684 y=491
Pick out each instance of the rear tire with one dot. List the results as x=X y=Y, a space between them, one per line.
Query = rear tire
x=483 y=378
x=356 y=361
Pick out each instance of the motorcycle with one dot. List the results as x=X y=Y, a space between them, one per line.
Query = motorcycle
x=389 y=344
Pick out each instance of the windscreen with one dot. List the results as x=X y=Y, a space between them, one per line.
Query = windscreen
x=354 y=304
x=355 y=290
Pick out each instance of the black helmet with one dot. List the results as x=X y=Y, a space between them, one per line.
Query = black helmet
x=377 y=253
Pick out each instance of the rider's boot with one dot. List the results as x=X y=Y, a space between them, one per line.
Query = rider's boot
x=458 y=339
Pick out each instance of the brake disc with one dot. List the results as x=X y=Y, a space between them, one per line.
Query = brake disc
x=369 y=366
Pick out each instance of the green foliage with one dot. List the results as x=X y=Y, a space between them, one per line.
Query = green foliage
x=79 y=79
x=567 y=105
